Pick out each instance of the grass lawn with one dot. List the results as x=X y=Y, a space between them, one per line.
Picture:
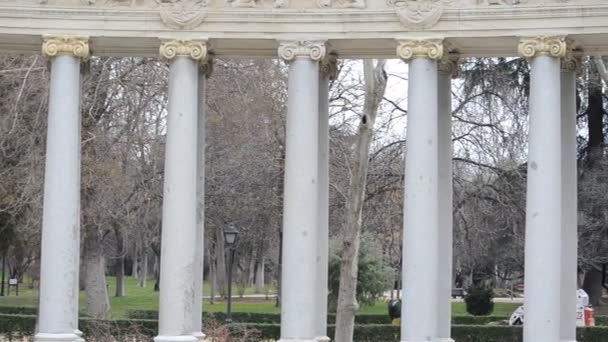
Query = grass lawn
x=145 y=298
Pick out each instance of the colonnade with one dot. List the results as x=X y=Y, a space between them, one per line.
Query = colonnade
x=550 y=285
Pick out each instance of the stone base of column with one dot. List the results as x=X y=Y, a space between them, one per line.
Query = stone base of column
x=79 y=334
x=322 y=339
x=175 y=339
x=46 y=337
x=199 y=335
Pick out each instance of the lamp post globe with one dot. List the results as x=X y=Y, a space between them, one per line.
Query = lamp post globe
x=230 y=234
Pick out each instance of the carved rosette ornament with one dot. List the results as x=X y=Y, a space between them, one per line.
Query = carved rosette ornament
x=419 y=14
x=77 y=46
x=315 y=50
x=195 y=49
x=420 y=48
x=329 y=66
x=449 y=64
x=554 y=46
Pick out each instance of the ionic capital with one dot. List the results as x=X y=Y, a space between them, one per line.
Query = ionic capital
x=315 y=50
x=329 y=66
x=448 y=65
x=195 y=49
x=573 y=60
x=206 y=66
x=553 y=46
x=77 y=46
x=420 y=48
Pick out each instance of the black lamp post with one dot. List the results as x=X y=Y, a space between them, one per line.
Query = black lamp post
x=230 y=235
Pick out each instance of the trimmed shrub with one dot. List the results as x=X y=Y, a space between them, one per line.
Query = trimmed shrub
x=15 y=310
x=601 y=320
x=487 y=333
x=477 y=320
x=596 y=334
x=15 y=326
x=258 y=318
x=24 y=325
x=478 y=301
x=274 y=318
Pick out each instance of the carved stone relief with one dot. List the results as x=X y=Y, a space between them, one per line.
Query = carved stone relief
x=419 y=14
x=341 y=3
x=415 y=14
x=183 y=14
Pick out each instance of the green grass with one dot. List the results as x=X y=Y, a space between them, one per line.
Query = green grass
x=146 y=299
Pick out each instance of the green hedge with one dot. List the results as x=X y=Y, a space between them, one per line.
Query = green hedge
x=17 y=325
x=15 y=310
x=24 y=325
x=601 y=320
x=460 y=333
x=273 y=318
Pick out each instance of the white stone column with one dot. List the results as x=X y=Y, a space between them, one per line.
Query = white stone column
x=178 y=249
x=59 y=260
x=569 y=210
x=448 y=68
x=544 y=190
x=421 y=223
x=300 y=209
x=197 y=317
x=328 y=72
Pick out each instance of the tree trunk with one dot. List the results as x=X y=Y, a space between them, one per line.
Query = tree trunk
x=120 y=262
x=135 y=265
x=120 y=277
x=220 y=258
x=143 y=271
x=279 y=269
x=259 y=274
x=251 y=269
x=375 y=85
x=277 y=221
x=592 y=282
x=97 y=303
x=593 y=286
x=3 y=274
x=595 y=114
x=156 y=272
x=212 y=282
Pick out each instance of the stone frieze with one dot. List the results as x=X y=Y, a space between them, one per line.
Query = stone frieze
x=414 y=15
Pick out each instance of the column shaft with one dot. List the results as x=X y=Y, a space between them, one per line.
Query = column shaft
x=323 y=202
x=61 y=213
x=569 y=283
x=177 y=292
x=444 y=297
x=197 y=324
x=544 y=200
x=300 y=214
x=420 y=238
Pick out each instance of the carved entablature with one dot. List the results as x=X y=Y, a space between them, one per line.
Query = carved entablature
x=415 y=9
x=414 y=15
